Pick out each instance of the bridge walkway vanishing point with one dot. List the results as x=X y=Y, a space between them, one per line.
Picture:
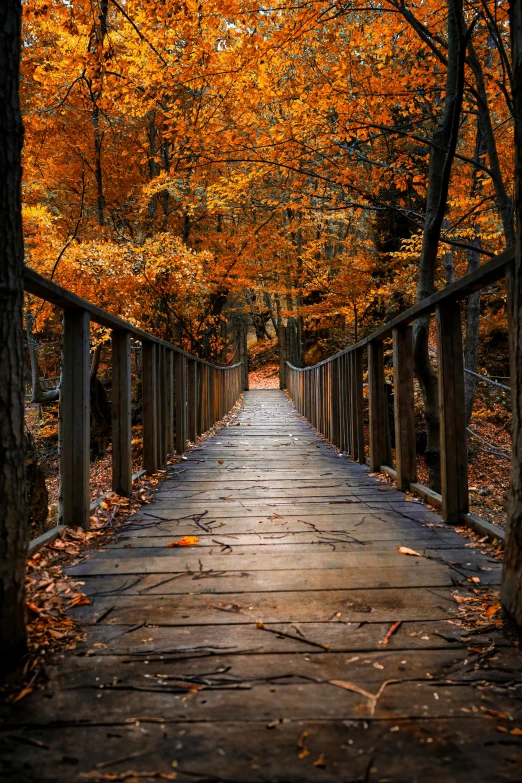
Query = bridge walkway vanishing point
x=262 y=653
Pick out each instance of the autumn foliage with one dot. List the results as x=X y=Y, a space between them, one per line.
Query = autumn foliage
x=185 y=159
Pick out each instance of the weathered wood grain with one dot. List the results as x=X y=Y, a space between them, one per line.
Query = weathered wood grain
x=175 y=669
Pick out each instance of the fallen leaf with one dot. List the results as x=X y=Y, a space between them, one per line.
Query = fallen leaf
x=24 y=692
x=79 y=600
x=405 y=551
x=304 y=752
x=320 y=761
x=185 y=541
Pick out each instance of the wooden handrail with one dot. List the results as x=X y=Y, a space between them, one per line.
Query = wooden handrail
x=485 y=275
x=43 y=288
x=180 y=393
x=330 y=395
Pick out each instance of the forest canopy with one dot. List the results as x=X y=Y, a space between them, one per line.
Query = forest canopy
x=315 y=162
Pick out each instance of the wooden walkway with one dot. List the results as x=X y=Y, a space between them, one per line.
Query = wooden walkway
x=258 y=654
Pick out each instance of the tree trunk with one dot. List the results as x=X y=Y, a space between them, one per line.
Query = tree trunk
x=12 y=468
x=471 y=345
x=512 y=573
x=472 y=337
x=442 y=154
x=504 y=202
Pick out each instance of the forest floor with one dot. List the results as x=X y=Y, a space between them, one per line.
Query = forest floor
x=264 y=365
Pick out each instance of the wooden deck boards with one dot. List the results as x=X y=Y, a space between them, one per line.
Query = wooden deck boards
x=177 y=677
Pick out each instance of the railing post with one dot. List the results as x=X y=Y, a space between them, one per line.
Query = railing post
x=357 y=407
x=121 y=413
x=453 y=445
x=75 y=419
x=169 y=370
x=212 y=396
x=162 y=406
x=150 y=419
x=180 y=371
x=202 y=398
x=192 y=410
x=377 y=406
x=404 y=413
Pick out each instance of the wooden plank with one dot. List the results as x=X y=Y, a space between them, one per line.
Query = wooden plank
x=162 y=616
x=239 y=582
x=75 y=420
x=404 y=411
x=121 y=414
x=453 y=443
x=305 y=606
x=464 y=747
x=154 y=561
x=149 y=402
x=185 y=641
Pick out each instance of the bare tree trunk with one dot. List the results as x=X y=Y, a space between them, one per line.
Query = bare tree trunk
x=471 y=345
x=98 y=173
x=448 y=261
x=512 y=573
x=99 y=37
x=12 y=467
x=442 y=154
x=472 y=336
x=504 y=202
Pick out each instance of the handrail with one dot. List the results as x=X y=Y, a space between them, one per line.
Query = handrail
x=182 y=397
x=330 y=395
x=485 y=275
x=52 y=292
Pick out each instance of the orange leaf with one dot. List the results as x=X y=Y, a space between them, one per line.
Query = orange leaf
x=185 y=541
x=405 y=551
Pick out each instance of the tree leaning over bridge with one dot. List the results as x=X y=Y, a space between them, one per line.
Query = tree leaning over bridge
x=512 y=574
x=12 y=480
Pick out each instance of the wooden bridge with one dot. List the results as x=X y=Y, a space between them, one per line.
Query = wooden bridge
x=314 y=631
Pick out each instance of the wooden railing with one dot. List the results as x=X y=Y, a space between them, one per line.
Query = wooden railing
x=330 y=395
x=175 y=386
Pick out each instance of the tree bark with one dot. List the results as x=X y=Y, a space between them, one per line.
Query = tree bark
x=504 y=202
x=512 y=573
x=471 y=346
x=12 y=468
x=442 y=154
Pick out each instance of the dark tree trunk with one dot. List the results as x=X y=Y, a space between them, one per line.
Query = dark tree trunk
x=12 y=468
x=442 y=154
x=512 y=575
x=471 y=347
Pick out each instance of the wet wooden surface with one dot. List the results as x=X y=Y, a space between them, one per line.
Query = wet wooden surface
x=258 y=654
